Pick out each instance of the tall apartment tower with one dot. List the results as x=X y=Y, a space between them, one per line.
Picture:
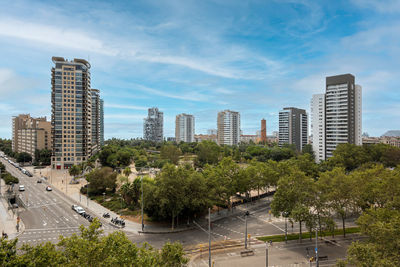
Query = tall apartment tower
x=318 y=126
x=153 y=125
x=97 y=121
x=30 y=134
x=293 y=127
x=71 y=118
x=264 y=131
x=101 y=122
x=184 y=128
x=228 y=123
x=343 y=104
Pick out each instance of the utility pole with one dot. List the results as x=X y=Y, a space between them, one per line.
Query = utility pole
x=285 y=229
x=245 y=233
x=141 y=180
x=266 y=254
x=316 y=246
x=209 y=237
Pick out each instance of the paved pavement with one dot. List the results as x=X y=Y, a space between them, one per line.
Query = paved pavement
x=47 y=214
x=293 y=254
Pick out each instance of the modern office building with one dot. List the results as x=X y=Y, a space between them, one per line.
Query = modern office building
x=184 y=128
x=318 y=126
x=71 y=119
x=97 y=121
x=263 y=131
x=293 y=127
x=153 y=125
x=228 y=123
x=30 y=134
x=343 y=112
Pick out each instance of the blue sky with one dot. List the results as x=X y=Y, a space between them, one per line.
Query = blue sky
x=199 y=57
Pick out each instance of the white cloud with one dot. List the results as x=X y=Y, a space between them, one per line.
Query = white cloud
x=107 y=105
x=382 y=6
x=55 y=36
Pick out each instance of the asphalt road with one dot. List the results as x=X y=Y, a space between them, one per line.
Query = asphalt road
x=47 y=214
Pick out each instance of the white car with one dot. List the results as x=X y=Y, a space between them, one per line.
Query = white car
x=21 y=188
x=48 y=188
x=78 y=209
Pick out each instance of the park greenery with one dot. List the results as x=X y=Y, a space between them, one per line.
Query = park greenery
x=7 y=177
x=89 y=248
x=358 y=181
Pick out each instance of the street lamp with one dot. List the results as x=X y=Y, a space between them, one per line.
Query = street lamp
x=285 y=214
x=245 y=234
x=141 y=181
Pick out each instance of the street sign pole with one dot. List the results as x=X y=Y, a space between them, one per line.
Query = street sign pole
x=266 y=254
x=209 y=237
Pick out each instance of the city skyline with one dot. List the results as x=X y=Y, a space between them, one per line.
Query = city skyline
x=180 y=61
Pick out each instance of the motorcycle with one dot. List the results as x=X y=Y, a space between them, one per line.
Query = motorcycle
x=106 y=215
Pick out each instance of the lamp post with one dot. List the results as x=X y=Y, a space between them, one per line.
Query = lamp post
x=245 y=234
x=266 y=254
x=316 y=246
x=141 y=182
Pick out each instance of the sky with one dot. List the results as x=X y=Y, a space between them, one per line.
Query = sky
x=201 y=57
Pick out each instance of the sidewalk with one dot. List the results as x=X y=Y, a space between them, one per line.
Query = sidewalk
x=8 y=221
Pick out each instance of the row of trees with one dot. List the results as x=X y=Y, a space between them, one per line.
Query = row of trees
x=7 y=177
x=91 y=249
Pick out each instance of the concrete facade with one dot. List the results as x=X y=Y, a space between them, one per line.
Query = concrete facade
x=293 y=127
x=343 y=105
x=184 y=128
x=30 y=134
x=228 y=123
x=318 y=126
x=153 y=125
x=71 y=112
x=97 y=121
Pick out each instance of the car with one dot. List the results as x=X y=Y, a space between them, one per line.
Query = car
x=21 y=188
x=48 y=188
x=28 y=174
x=39 y=181
x=23 y=171
x=78 y=209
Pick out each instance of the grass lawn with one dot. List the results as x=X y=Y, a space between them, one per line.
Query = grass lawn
x=304 y=235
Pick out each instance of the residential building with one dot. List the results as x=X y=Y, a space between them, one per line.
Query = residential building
x=30 y=134
x=389 y=140
x=212 y=131
x=318 y=126
x=263 y=131
x=184 y=128
x=293 y=127
x=97 y=121
x=246 y=138
x=101 y=122
x=228 y=123
x=343 y=105
x=153 y=125
x=71 y=118
x=205 y=137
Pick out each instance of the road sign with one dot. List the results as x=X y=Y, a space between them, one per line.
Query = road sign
x=316 y=249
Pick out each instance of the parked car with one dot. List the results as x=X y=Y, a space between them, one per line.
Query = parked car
x=39 y=181
x=21 y=188
x=48 y=188
x=78 y=209
x=28 y=174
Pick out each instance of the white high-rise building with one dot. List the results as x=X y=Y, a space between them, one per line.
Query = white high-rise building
x=343 y=113
x=358 y=115
x=228 y=123
x=184 y=128
x=318 y=126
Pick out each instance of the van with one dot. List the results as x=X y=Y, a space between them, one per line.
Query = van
x=21 y=188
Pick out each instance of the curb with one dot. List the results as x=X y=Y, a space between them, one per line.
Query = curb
x=167 y=232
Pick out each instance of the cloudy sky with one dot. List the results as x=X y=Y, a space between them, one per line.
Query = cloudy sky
x=200 y=57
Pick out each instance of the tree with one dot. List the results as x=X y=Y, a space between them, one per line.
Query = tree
x=171 y=153
x=307 y=149
x=127 y=171
x=89 y=248
x=75 y=170
x=101 y=180
x=349 y=156
x=292 y=197
x=9 y=179
x=23 y=157
x=207 y=152
x=382 y=246
x=339 y=190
